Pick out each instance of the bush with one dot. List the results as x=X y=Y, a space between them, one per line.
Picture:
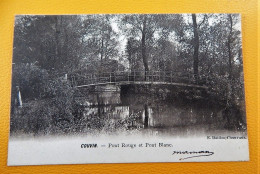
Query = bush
x=30 y=80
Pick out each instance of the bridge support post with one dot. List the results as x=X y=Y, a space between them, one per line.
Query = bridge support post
x=171 y=76
x=134 y=76
x=146 y=116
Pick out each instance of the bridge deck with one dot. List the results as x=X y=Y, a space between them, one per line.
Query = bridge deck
x=144 y=83
x=140 y=78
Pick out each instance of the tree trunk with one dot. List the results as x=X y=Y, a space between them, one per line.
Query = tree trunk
x=146 y=116
x=129 y=51
x=196 y=48
x=57 y=41
x=230 y=64
x=229 y=47
x=102 y=49
x=145 y=61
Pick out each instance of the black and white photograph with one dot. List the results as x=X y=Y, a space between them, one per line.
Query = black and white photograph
x=127 y=88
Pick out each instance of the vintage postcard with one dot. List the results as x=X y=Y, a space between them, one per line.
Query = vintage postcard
x=127 y=88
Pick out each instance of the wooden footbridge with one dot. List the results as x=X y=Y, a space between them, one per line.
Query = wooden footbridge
x=140 y=78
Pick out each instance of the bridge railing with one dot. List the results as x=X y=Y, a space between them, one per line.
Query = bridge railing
x=138 y=76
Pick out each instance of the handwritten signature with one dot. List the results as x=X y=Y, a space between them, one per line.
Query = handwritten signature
x=194 y=154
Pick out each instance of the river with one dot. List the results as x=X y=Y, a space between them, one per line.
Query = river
x=152 y=111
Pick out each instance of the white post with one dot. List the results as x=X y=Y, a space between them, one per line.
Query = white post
x=66 y=77
x=19 y=97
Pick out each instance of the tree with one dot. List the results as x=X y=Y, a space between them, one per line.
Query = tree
x=133 y=53
x=50 y=41
x=196 y=44
x=144 y=33
x=141 y=28
x=100 y=40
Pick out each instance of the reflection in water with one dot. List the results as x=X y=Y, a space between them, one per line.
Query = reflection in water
x=146 y=113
